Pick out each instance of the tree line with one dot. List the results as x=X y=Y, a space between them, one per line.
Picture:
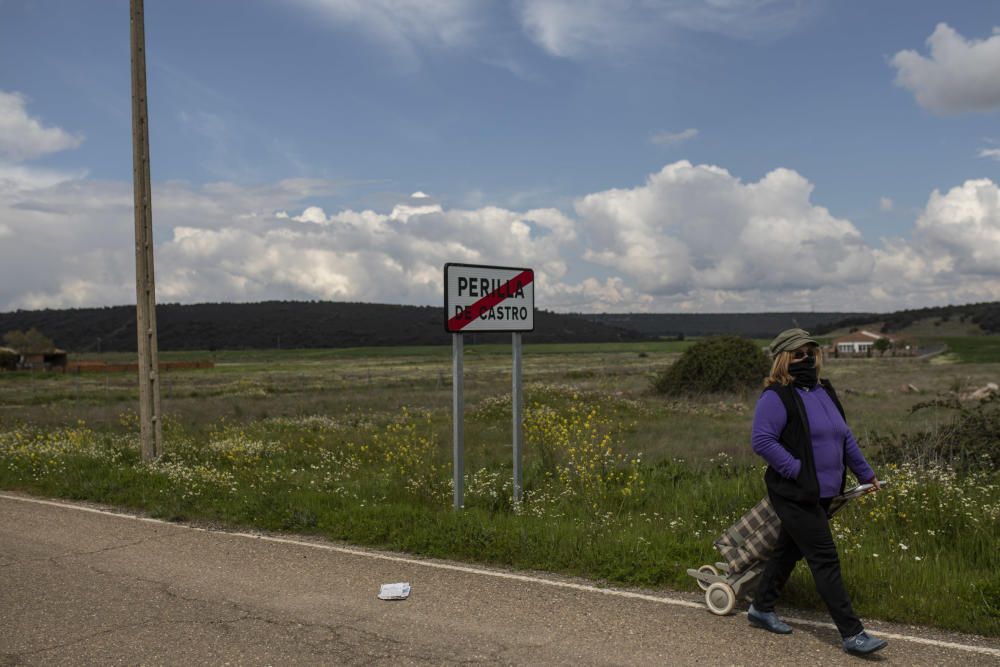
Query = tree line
x=283 y=324
x=985 y=314
x=319 y=324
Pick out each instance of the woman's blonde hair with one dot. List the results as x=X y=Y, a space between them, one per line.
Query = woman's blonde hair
x=779 y=367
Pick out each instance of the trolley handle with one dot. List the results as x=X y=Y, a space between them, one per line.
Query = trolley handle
x=860 y=490
x=849 y=495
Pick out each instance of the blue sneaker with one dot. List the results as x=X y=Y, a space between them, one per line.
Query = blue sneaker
x=863 y=644
x=768 y=620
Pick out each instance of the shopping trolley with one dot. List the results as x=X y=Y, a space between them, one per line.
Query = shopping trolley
x=745 y=548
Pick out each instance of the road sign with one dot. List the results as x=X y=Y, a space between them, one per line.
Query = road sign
x=488 y=298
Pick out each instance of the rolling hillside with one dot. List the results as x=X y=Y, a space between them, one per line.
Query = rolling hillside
x=960 y=320
x=750 y=325
x=324 y=324
x=287 y=324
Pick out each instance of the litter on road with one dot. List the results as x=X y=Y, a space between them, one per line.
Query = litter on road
x=399 y=591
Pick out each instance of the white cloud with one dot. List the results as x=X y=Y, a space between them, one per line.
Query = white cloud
x=993 y=153
x=313 y=214
x=563 y=28
x=579 y=28
x=404 y=212
x=886 y=204
x=592 y=295
x=959 y=75
x=23 y=137
x=695 y=227
x=419 y=203
x=358 y=256
x=691 y=238
x=953 y=255
x=90 y=225
x=18 y=177
x=405 y=24
x=745 y=19
x=570 y=28
x=223 y=242
x=668 y=138
x=964 y=225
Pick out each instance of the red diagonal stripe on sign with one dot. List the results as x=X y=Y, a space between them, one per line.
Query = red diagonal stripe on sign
x=472 y=312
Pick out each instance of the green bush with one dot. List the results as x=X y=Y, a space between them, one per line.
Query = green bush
x=8 y=360
x=969 y=441
x=718 y=364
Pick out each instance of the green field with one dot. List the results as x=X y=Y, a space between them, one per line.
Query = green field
x=621 y=484
x=973 y=349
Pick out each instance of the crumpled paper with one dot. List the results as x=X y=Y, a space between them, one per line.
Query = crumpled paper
x=394 y=591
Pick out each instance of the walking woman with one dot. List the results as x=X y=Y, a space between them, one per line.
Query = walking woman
x=799 y=428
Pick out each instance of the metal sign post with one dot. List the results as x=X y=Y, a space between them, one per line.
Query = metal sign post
x=487 y=298
x=515 y=403
x=457 y=420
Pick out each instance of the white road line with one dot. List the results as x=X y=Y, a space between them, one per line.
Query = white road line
x=487 y=573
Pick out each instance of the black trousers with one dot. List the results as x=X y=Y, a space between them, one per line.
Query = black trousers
x=805 y=531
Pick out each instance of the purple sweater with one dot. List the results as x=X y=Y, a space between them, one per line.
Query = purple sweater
x=829 y=435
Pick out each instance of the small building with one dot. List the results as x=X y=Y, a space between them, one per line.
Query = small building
x=862 y=344
x=53 y=359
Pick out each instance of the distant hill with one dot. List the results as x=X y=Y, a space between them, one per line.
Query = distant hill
x=321 y=324
x=984 y=315
x=750 y=325
x=287 y=324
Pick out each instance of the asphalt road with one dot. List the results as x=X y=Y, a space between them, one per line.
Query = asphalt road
x=82 y=587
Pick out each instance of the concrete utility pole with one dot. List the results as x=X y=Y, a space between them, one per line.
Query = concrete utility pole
x=145 y=290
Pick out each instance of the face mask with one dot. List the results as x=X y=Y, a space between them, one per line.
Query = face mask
x=804 y=372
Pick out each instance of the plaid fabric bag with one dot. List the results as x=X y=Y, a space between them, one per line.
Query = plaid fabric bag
x=751 y=539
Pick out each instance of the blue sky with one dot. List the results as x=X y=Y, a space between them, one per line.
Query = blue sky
x=654 y=155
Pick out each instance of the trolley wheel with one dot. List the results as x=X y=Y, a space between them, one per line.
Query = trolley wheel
x=706 y=569
x=720 y=598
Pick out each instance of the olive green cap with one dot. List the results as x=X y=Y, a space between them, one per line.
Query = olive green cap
x=790 y=339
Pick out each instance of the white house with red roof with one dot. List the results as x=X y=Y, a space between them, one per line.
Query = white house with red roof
x=862 y=342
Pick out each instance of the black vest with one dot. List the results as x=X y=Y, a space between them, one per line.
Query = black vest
x=797 y=440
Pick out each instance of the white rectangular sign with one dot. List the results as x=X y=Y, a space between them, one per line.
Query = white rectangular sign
x=488 y=298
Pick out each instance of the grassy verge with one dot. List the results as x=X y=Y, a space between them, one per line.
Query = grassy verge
x=401 y=351
x=923 y=551
x=974 y=349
